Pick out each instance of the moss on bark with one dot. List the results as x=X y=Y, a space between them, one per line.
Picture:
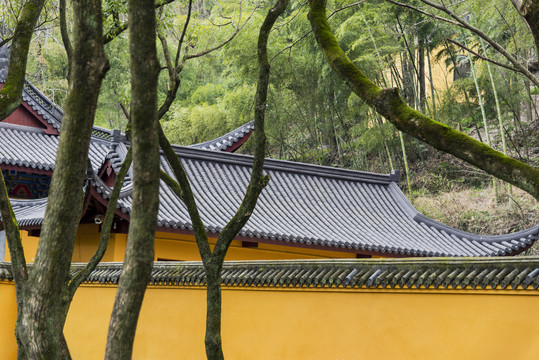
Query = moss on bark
x=389 y=104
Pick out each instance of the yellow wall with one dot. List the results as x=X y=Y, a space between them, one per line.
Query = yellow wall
x=86 y=242
x=170 y=246
x=8 y=315
x=264 y=323
x=30 y=247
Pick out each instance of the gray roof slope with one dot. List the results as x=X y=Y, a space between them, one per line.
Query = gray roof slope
x=222 y=143
x=464 y=273
x=29 y=212
x=303 y=204
x=319 y=206
x=30 y=147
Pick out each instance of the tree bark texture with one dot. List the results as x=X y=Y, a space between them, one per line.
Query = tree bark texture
x=389 y=104
x=145 y=143
x=10 y=99
x=40 y=324
x=529 y=10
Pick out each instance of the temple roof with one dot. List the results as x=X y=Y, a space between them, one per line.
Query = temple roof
x=303 y=205
x=229 y=142
x=31 y=148
x=316 y=206
x=451 y=274
x=42 y=105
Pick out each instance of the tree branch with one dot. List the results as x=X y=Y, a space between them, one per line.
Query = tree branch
x=481 y=56
x=217 y=47
x=105 y=228
x=11 y=93
x=182 y=36
x=464 y=24
x=389 y=104
x=113 y=32
x=184 y=192
x=13 y=236
x=310 y=31
x=65 y=36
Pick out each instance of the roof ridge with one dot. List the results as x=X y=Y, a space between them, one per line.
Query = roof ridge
x=185 y=152
x=443 y=274
x=526 y=233
x=23 y=128
x=223 y=142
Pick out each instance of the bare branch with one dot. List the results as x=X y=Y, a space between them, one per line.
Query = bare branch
x=310 y=31
x=481 y=56
x=182 y=37
x=65 y=37
x=105 y=228
x=120 y=28
x=464 y=24
x=217 y=47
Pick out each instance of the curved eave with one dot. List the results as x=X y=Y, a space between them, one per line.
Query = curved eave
x=229 y=142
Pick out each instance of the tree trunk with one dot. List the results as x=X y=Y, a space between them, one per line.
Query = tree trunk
x=214 y=350
x=11 y=93
x=40 y=324
x=145 y=143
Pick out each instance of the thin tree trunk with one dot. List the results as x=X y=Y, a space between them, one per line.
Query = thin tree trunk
x=421 y=80
x=432 y=94
x=145 y=142
x=257 y=183
x=484 y=116
x=498 y=112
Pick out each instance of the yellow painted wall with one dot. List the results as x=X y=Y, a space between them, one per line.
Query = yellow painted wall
x=263 y=323
x=8 y=316
x=442 y=75
x=170 y=246
x=30 y=247
x=86 y=242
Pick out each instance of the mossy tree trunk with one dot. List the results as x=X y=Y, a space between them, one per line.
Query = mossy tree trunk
x=10 y=99
x=11 y=93
x=389 y=104
x=145 y=144
x=529 y=10
x=40 y=325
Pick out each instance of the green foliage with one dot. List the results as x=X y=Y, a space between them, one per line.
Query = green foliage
x=312 y=116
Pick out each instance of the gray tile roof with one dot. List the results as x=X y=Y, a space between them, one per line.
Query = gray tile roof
x=229 y=141
x=303 y=205
x=465 y=273
x=29 y=212
x=30 y=147
x=316 y=206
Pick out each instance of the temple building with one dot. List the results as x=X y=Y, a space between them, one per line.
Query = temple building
x=309 y=275
x=306 y=211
